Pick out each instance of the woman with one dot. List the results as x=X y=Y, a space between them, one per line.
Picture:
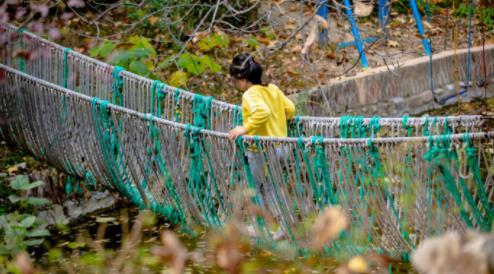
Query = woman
x=265 y=111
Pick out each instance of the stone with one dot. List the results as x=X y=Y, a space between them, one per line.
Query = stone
x=395 y=105
x=397 y=100
x=421 y=109
x=98 y=201
x=54 y=216
x=464 y=84
x=419 y=100
x=476 y=93
x=443 y=95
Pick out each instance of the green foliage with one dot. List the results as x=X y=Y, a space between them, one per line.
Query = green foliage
x=21 y=183
x=268 y=32
x=403 y=6
x=253 y=42
x=138 y=67
x=463 y=10
x=178 y=79
x=213 y=41
x=197 y=65
x=20 y=231
x=102 y=50
x=135 y=55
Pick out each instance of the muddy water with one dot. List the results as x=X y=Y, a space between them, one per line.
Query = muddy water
x=281 y=258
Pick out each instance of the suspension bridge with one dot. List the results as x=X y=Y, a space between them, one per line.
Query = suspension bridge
x=166 y=149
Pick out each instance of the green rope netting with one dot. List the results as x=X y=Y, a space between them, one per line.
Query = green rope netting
x=201 y=108
x=117 y=86
x=365 y=166
x=107 y=133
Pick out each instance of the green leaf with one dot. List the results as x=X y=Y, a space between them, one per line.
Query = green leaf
x=122 y=58
x=191 y=63
x=28 y=221
x=213 y=66
x=222 y=40
x=252 y=42
x=41 y=232
x=13 y=198
x=37 y=201
x=165 y=63
x=178 y=79
x=36 y=184
x=54 y=254
x=138 y=67
x=74 y=245
x=106 y=48
x=268 y=32
x=206 y=44
x=33 y=242
x=214 y=40
x=142 y=43
x=94 y=51
x=140 y=53
x=21 y=182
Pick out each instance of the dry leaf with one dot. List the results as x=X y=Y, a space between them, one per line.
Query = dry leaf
x=328 y=226
x=454 y=253
x=293 y=8
x=263 y=40
x=153 y=20
x=172 y=252
x=23 y=263
x=330 y=54
x=358 y=264
x=199 y=35
x=310 y=40
x=323 y=23
x=379 y=259
x=76 y=4
x=13 y=170
x=427 y=25
x=290 y=26
x=229 y=257
x=393 y=44
x=361 y=9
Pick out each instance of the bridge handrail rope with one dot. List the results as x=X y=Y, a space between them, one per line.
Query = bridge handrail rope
x=137 y=92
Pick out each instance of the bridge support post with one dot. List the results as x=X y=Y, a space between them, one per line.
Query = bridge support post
x=356 y=34
x=420 y=26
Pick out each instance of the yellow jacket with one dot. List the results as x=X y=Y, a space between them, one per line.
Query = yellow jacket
x=265 y=110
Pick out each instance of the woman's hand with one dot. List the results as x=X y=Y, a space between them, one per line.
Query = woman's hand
x=234 y=133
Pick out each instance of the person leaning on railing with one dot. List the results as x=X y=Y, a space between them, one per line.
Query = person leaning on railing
x=265 y=111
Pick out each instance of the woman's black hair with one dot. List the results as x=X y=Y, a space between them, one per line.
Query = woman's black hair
x=245 y=67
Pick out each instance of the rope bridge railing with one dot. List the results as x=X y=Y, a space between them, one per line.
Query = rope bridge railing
x=396 y=191
x=86 y=75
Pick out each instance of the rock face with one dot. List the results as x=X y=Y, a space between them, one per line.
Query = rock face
x=453 y=253
x=405 y=88
x=73 y=209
